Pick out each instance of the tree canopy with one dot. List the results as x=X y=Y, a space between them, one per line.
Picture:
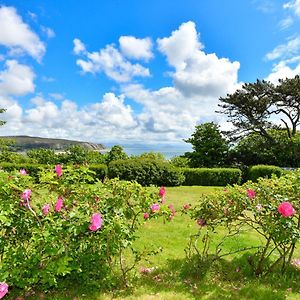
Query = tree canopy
x=260 y=106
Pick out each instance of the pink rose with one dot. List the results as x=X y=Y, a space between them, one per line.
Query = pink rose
x=59 y=204
x=96 y=222
x=146 y=216
x=186 y=206
x=201 y=222
x=251 y=193
x=155 y=207
x=259 y=207
x=26 y=194
x=162 y=191
x=173 y=211
x=23 y=172
x=45 y=209
x=3 y=289
x=286 y=209
x=58 y=170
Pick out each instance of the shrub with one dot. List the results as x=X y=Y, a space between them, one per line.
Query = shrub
x=32 y=169
x=146 y=172
x=270 y=208
x=63 y=227
x=266 y=171
x=211 y=177
x=100 y=170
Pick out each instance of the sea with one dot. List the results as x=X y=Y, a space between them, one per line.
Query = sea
x=168 y=150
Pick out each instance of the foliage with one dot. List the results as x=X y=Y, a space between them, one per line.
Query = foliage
x=210 y=148
x=2 y=110
x=66 y=228
x=211 y=176
x=146 y=172
x=32 y=169
x=43 y=156
x=115 y=153
x=180 y=161
x=264 y=171
x=100 y=171
x=255 y=149
x=250 y=108
x=270 y=208
x=152 y=155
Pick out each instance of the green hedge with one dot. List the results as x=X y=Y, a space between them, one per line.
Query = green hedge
x=34 y=169
x=146 y=172
x=266 y=171
x=211 y=176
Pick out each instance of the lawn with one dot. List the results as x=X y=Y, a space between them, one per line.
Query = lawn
x=172 y=277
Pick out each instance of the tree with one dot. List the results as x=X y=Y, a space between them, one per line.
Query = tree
x=116 y=152
x=210 y=147
x=2 y=110
x=251 y=108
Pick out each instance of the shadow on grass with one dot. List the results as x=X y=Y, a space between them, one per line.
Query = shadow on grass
x=193 y=279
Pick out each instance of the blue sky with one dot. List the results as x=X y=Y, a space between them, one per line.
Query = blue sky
x=127 y=72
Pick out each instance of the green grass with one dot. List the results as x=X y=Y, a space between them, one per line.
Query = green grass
x=176 y=278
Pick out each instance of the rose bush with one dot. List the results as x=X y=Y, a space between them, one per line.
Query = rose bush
x=270 y=208
x=66 y=227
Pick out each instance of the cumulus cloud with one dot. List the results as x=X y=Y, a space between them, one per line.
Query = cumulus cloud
x=48 y=32
x=16 y=79
x=135 y=48
x=17 y=35
x=294 y=6
x=110 y=61
x=79 y=47
x=286 y=50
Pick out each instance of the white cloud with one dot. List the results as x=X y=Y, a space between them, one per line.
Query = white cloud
x=48 y=31
x=135 y=48
x=289 y=49
x=293 y=5
x=17 y=36
x=16 y=79
x=286 y=23
x=79 y=47
x=285 y=69
x=110 y=61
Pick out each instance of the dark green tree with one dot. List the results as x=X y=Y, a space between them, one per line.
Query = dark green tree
x=210 y=147
x=116 y=152
x=255 y=107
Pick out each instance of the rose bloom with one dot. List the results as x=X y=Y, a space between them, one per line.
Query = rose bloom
x=58 y=170
x=3 y=289
x=201 y=222
x=59 y=204
x=186 y=206
x=146 y=216
x=162 y=191
x=251 y=193
x=286 y=209
x=23 y=172
x=155 y=207
x=26 y=194
x=96 y=222
x=45 y=209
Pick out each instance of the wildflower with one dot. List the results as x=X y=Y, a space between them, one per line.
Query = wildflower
x=201 y=222
x=96 y=222
x=58 y=170
x=295 y=262
x=286 y=209
x=146 y=216
x=186 y=206
x=26 y=194
x=3 y=289
x=23 y=172
x=144 y=270
x=155 y=207
x=173 y=211
x=59 y=204
x=162 y=191
x=45 y=209
x=251 y=193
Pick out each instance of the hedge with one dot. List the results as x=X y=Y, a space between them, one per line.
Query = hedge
x=146 y=172
x=265 y=171
x=211 y=176
x=34 y=169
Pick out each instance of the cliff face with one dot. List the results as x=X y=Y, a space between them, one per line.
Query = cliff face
x=25 y=143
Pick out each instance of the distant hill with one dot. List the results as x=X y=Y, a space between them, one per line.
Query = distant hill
x=25 y=143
